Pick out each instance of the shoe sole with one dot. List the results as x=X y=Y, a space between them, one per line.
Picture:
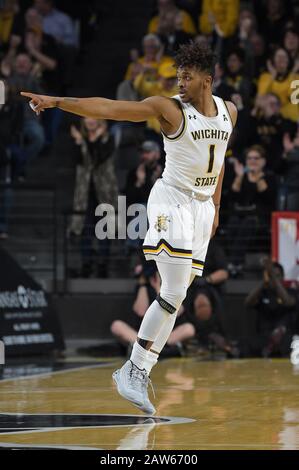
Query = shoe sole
x=137 y=404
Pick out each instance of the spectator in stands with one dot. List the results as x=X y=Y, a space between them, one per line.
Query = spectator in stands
x=33 y=131
x=219 y=17
x=201 y=320
x=167 y=8
x=291 y=43
x=291 y=171
x=236 y=77
x=45 y=55
x=220 y=87
x=247 y=31
x=256 y=55
x=56 y=23
x=126 y=90
x=8 y=11
x=170 y=30
x=10 y=154
x=204 y=300
x=95 y=184
x=165 y=85
x=278 y=80
x=276 y=310
x=141 y=180
x=125 y=130
x=240 y=138
x=274 y=20
x=153 y=57
x=253 y=194
x=267 y=128
x=247 y=25
x=44 y=50
x=147 y=289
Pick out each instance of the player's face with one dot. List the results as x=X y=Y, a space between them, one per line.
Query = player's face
x=191 y=83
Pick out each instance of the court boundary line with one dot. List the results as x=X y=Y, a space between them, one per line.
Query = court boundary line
x=172 y=420
x=47 y=374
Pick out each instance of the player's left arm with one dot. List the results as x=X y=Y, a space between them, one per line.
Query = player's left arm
x=217 y=195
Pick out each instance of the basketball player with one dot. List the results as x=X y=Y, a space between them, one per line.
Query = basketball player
x=183 y=207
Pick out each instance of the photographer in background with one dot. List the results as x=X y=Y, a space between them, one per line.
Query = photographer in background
x=147 y=289
x=276 y=310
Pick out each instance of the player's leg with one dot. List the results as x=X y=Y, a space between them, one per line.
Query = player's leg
x=164 y=334
x=132 y=379
x=160 y=317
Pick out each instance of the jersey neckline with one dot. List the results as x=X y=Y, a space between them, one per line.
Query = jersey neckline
x=203 y=115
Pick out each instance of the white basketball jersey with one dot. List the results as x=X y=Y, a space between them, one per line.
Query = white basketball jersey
x=195 y=154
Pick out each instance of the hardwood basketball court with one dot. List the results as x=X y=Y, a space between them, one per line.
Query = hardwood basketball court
x=236 y=404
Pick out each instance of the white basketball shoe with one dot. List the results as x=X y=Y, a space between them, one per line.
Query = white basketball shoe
x=132 y=384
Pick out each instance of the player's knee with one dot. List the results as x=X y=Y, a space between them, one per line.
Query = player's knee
x=172 y=300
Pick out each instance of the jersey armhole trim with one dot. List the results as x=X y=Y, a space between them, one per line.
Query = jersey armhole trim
x=183 y=127
x=230 y=118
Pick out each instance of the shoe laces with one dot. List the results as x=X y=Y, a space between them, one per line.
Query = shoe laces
x=140 y=379
x=152 y=387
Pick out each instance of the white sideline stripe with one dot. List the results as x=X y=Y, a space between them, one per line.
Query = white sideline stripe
x=47 y=374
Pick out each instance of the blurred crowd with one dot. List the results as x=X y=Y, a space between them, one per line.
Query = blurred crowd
x=257 y=43
x=39 y=46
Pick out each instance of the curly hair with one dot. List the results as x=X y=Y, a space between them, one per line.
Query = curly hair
x=196 y=55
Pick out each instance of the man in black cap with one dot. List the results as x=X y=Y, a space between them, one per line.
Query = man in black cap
x=141 y=180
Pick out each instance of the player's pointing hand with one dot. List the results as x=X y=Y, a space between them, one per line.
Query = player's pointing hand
x=40 y=102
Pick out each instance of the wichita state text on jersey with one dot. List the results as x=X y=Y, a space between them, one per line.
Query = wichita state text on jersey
x=195 y=155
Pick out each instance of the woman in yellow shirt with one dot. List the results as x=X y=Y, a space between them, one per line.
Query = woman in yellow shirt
x=165 y=85
x=219 y=15
x=152 y=57
x=279 y=80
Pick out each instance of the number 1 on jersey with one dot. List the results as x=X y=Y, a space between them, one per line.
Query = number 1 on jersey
x=211 y=159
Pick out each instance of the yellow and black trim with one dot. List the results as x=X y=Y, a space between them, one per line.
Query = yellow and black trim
x=198 y=264
x=173 y=139
x=172 y=252
x=230 y=118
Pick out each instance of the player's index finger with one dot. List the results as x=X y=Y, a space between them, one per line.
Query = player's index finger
x=28 y=95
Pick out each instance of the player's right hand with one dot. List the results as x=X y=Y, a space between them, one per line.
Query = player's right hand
x=39 y=103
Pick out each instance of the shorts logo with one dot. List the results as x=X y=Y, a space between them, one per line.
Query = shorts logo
x=162 y=223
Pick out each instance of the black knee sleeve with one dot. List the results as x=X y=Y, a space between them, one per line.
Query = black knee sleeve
x=169 y=308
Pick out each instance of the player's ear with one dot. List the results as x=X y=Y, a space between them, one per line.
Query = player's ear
x=208 y=81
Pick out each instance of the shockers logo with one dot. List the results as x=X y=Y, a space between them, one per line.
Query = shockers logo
x=162 y=223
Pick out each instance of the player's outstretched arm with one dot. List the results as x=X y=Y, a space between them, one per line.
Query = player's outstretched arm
x=102 y=108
